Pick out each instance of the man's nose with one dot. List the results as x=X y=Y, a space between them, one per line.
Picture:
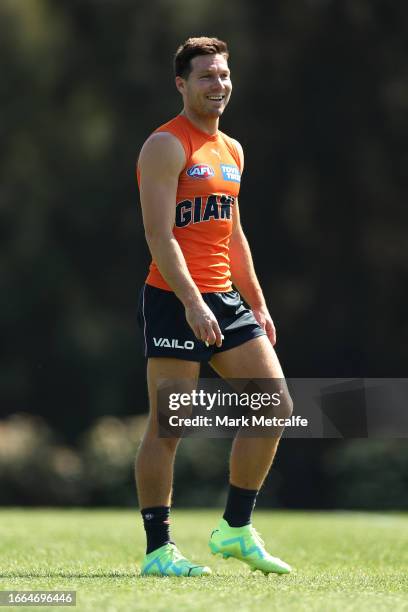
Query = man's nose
x=217 y=82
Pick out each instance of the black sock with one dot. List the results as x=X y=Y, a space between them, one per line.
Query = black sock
x=240 y=503
x=157 y=526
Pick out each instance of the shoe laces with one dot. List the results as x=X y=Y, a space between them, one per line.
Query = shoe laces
x=177 y=556
x=257 y=536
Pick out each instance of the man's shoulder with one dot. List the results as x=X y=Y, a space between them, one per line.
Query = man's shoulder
x=164 y=139
x=235 y=147
x=170 y=137
x=162 y=147
x=176 y=126
x=230 y=140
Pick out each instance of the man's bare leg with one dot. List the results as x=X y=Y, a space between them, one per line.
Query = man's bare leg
x=154 y=476
x=250 y=461
x=251 y=458
x=155 y=458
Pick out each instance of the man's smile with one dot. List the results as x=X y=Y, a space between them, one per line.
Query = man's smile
x=216 y=98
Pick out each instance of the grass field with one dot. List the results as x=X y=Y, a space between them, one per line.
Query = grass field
x=342 y=561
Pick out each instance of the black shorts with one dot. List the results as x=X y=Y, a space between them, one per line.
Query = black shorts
x=166 y=332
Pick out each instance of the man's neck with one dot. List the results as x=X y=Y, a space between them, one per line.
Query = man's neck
x=209 y=126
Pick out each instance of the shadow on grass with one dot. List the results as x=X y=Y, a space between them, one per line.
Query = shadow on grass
x=59 y=574
x=213 y=578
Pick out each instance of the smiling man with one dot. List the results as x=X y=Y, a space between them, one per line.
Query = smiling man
x=189 y=175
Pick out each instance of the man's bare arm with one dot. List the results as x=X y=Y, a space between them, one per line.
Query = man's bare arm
x=243 y=271
x=244 y=277
x=242 y=266
x=161 y=160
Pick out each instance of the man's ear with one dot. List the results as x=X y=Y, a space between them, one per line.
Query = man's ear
x=180 y=84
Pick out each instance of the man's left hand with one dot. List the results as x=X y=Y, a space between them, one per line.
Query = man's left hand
x=265 y=321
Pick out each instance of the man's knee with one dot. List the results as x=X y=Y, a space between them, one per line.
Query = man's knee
x=286 y=406
x=152 y=439
x=281 y=408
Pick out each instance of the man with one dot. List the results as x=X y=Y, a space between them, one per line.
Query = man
x=189 y=175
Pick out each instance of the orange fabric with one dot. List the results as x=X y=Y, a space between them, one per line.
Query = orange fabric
x=206 y=194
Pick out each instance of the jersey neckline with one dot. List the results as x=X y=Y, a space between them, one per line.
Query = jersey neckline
x=212 y=138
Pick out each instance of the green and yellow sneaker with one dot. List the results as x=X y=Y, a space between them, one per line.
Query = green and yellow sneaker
x=168 y=561
x=245 y=544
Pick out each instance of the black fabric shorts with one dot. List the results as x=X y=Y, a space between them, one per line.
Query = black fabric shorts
x=166 y=332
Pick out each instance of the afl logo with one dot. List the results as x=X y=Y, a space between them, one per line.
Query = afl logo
x=201 y=171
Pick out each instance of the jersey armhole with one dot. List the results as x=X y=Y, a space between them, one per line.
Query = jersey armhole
x=233 y=149
x=183 y=140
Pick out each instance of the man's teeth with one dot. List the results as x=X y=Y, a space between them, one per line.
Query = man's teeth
x=218 y=98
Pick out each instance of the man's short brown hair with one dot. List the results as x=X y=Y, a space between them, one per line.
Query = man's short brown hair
x=192 y=47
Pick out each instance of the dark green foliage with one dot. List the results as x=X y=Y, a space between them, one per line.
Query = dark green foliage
x=36 y=468
x=370 y=474
x=320 y=105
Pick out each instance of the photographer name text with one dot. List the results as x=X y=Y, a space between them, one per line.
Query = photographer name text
x=243 y=421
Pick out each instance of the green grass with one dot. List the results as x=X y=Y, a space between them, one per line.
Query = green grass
x=342 y=561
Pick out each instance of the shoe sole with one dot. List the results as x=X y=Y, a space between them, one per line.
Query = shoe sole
x=216 y=552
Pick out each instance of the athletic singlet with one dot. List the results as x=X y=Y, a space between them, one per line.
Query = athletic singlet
x=207 y=190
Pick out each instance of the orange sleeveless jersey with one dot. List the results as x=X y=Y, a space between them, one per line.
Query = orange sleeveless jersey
x=206 y=194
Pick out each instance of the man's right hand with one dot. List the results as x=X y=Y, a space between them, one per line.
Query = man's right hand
x=205 y=326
